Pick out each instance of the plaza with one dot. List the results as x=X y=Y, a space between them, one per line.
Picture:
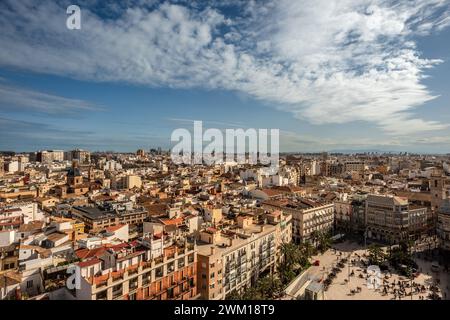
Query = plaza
x=349 y=261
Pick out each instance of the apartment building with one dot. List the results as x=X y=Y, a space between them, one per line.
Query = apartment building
x=234 y=259
x=96 y=218
x=50 y=155
x=13 y=214
x=358 y=213
x=151 y=268
x=354 y=166
x=83 y=156
x=443 y=228
x=9 y=256
x=392 y=219
x=343 y=213
x=307 y=216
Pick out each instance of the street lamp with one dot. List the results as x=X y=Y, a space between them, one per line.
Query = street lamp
x=365 y=237
x=348 y=271
x=410 y=281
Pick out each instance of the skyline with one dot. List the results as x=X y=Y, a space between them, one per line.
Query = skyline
x=343 y=75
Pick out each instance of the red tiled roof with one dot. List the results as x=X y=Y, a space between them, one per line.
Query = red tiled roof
x=272 y=192
x=89 y=253
x=168 y=222
x=88 y=263
x=114 y=228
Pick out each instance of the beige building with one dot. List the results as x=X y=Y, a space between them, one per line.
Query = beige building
x=443 y=227
x=354 y=166
x=83 y=156
x=307 y=216
x=50 y=155
x=233 y=260
x=138 y=271
x=392 y=219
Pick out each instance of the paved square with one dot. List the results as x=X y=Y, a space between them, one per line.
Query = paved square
x=351 y=284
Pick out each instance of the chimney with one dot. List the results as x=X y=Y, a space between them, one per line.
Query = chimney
x=213 y=250
x=262 y=228
x=230 y=242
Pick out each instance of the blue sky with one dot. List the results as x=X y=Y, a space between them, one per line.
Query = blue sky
x=331 y=75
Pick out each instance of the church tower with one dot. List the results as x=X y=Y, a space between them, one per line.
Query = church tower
x=74 y=176
x=437 y=189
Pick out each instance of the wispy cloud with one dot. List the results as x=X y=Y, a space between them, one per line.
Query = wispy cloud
x=22 y=135
x=292 y=141
x=14 y=98
x=325 y=61
x=209 y=122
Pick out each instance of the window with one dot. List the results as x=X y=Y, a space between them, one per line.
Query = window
x=102 y=295
x=170 y=293
x=133 y=283
x=29 y=284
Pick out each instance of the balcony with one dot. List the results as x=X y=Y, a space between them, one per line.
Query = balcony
x=117 y=277
x=159 y=272
x=146 y=264
x=133 y=285
x=117 y=293
x=132 y=271
x=170 y=256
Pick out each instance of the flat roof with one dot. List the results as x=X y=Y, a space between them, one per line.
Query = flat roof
x=223 y=247
x=95 y=212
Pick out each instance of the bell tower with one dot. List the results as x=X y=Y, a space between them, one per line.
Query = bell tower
x=91 y=175
x=437 y=189
x=74 y=176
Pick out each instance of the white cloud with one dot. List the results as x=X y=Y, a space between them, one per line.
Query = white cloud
x=14 y=98
x=323 y=61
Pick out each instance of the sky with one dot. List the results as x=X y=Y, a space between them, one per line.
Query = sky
x=331 y=75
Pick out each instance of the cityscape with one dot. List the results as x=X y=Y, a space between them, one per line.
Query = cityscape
x=234 y=151
x=136 y=226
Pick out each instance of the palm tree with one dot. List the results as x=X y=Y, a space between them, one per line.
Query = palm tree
x=307 y=248
x=290 y=256
x=325 y=242
x=233 y=295
x=251 y=294
x=315 y=236
x=269 y=287
x=376 y=254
